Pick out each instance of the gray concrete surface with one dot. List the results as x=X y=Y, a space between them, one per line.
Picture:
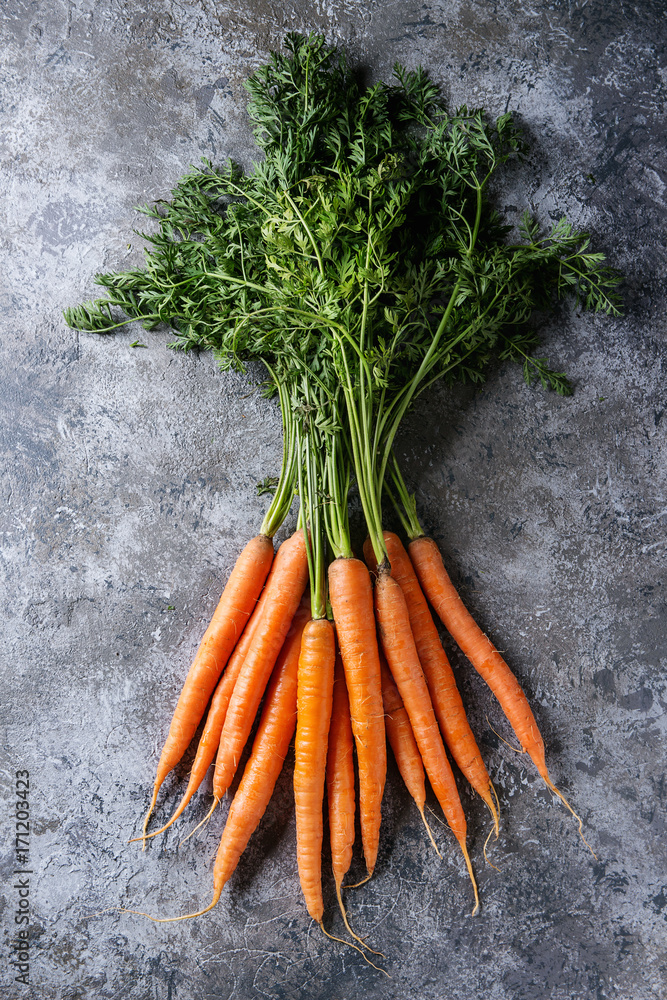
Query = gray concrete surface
x=128 y=484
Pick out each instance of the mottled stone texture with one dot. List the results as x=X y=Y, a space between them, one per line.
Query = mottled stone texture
x=128 y=486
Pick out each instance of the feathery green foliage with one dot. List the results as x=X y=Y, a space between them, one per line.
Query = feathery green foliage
x=360 y=260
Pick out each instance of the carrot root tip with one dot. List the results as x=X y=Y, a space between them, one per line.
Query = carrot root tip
x=349 y=929
x=202 y=823
x=147 y=836
x=430 y=832
x=356 y=885
x=496 y=815
x=549 y=783
x=148 y=815
x=158 y=920
x=486 y=856
x=472 y=877
x=349 y=944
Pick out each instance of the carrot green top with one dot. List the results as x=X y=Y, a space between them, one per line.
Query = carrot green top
x=361 y=259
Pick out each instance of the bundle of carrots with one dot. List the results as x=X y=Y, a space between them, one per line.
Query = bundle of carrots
x=359 y=262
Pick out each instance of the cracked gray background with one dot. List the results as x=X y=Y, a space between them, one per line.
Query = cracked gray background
x=128 y=481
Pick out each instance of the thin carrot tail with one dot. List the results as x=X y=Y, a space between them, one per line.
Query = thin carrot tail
x=203 y=822
x=161 y=920
x=356 y=885
x=189 y=792
x=493 y=807
x=343 y=911
x=349 y=944
x=495 y=795
x=567 y=805
x=462 y=845
x=486 y=856
x=166 y=920
x=429 y=831
x=496 y=827
x=156 y=789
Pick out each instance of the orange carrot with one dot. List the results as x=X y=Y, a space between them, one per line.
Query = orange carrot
x=340 y=780
x=231 y=615
x=481 y=652
x=270 y=746
x=447 y=703
x=314 y=700
x=351 y=597
x=283 y=593
x=402 y=742
x=400 y=650
x=215 y=720
x=269 y=749
x=340 y=791
x=210 y=738
x=483 y=655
